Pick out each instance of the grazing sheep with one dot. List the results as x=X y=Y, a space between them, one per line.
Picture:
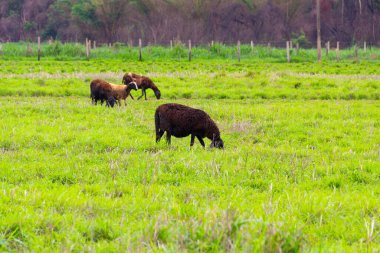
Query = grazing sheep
x=111 y=101
x=103 y=91
x=181 y=121
x=143 y=83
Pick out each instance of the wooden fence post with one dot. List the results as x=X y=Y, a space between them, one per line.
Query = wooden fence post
x=337 y=50
x=288 y=51
x=298 y=48
x=212 y=43
x=252 y=45
x=356 y=53
x=140 y=53
x=238 y=50
x=365 y=46
x=319 y=54
x=94 y=44
x=171 y=44
x=291 y=45
x=328 y=46
x=39 y=48
x=87 y=51
x=189 y=50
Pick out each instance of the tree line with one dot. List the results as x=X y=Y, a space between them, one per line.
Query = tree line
x=202 y=21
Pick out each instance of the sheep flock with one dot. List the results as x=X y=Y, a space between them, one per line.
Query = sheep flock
x=175 y=119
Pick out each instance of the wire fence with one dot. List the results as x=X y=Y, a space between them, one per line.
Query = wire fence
x=278 y=51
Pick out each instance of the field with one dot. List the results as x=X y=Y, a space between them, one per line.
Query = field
x=299 y=173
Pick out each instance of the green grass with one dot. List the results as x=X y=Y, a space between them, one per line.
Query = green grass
x=207 y=79
x=299 y=173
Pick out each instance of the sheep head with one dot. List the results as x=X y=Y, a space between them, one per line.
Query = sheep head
x=217 y=142
x=111 y=101
x=157 y=93
x=127 y=79
x=132 y=85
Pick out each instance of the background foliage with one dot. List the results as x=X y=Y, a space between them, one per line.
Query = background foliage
x=159 y=21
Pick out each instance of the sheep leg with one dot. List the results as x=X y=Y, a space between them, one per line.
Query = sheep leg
x=131 y=96
x=192 y=140
x=145 y=95
x=142 y=93
x=159 y=135
x=201 y=141
x=168 y=136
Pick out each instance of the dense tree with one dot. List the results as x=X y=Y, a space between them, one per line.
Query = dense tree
x=158 y=21
x=58 y=25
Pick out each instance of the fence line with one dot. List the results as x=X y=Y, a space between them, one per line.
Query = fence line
x=242 y=50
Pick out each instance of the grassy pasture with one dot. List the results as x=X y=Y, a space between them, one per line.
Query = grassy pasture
x=300 y=171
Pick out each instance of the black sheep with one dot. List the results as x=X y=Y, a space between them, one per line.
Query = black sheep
x=181 y=121
x=111 y=101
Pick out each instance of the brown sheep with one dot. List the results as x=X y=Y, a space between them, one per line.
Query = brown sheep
x=143 y=83
x=181 y=121
x=103 y=91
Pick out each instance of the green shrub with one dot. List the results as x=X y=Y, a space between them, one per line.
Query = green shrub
x=53 y=49
x=179 y=50
x=301 y=39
